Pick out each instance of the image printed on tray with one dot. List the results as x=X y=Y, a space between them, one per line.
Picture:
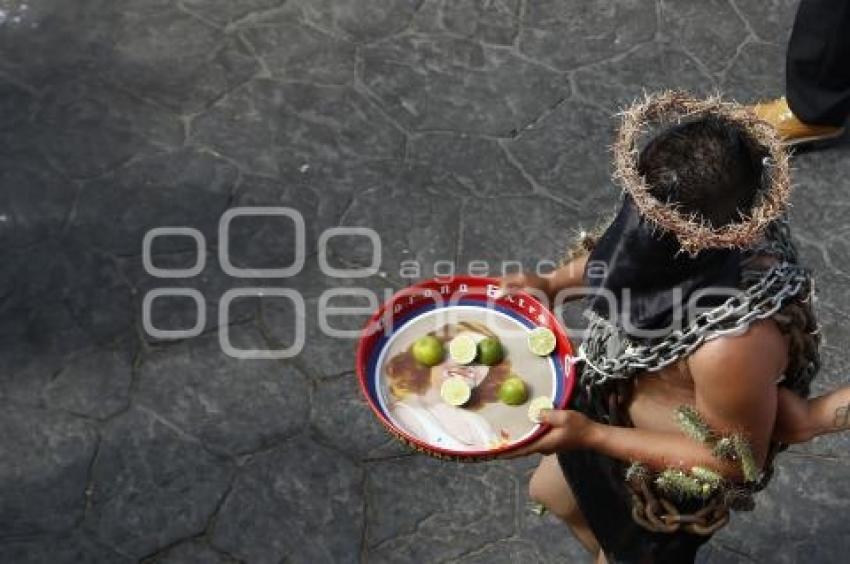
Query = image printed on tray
x=471 y=384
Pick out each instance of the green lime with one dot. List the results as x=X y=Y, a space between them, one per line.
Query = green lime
x=490 y=351
x=541 y=341
x=428 y=350
x=536 y=406
x=455 y=391
x=463 y=349
x=513 y=391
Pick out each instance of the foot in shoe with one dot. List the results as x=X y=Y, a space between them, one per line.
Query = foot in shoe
x=790 y=128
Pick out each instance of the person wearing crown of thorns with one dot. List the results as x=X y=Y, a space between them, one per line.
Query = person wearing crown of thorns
x=701 y=345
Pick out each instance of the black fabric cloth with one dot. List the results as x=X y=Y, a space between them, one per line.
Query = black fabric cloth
x=633 y=258
x=598 y=483
x=642 y=279
x=818 y=62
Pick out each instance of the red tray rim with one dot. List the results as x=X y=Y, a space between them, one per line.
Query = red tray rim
x=472 y=281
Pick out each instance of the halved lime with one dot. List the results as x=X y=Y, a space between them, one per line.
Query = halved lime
x=490 y=351
x=536 y=405
x=428 y=350
x=541 y=341
x=513 y=391
x=463 y=349
x=455 y=391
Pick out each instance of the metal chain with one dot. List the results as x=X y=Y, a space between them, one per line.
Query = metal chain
x=759 y=301
x=657 y=514
x=765 y=294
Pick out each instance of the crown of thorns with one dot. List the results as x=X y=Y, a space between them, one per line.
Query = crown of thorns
x=693 y=232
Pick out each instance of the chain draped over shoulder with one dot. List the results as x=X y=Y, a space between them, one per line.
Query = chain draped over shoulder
x=773 y=285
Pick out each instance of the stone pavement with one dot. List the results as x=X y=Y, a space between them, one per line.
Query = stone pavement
x=459 y=129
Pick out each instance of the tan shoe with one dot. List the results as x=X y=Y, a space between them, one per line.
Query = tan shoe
x=791 y=130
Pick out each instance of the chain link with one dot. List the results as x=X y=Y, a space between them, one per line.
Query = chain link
x=607 y=356
x=760 y=300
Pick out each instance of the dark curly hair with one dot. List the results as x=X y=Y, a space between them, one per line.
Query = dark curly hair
x=708 y=167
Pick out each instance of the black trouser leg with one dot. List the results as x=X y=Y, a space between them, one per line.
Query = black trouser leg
x=818 y=64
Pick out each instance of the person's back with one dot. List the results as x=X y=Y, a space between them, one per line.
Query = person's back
x=710 y=169
x=698 y=309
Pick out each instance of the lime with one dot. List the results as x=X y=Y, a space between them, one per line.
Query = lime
x=541 y=341
x=513 y=391
x=490 y=351
x=463 y=349
x=428 y=350
x=536 y=405
x=455 y=391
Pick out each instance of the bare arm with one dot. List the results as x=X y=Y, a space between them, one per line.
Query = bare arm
x=831 y=413
x=570 y=275
x=656 y=449
x=735 y=383
x=799 y=420
x=734 y=380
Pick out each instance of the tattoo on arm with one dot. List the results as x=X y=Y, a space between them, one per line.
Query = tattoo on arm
x=842 y=418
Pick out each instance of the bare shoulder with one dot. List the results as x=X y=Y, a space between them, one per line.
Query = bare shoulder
x=735 y=382
x=760 y=354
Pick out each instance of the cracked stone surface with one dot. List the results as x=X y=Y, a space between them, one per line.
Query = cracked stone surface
x=16 y=104
x=756 y=64
x=46 y=459
x=571 y=34
x=492 y=173
x=271 y=127
x=713 y=45
x=545 y=531
x=490 y=22
x=358 y=296
x=172 y=312
x=819 y=492
x=486 y=218
x=285 y=499
x=449 y=83
x=95 y=385
x=37 y=200
x=151 y=485
x=57 y=285
x=192 y=387
x=194 y=552
x=299 y=52
x=771 y=21
x=224 y=11
x=548 y=152
x=365 y=21
x=411 y=524
x=616 y=82
x=365 y=439
x=54 y=40
x=89 y=131
x=502 y=551
x=174 y=59
x=71 y=547
x=162 y=190
x=464 y=132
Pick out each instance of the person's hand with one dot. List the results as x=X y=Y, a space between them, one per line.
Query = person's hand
x=568 y=430
x=526 y=281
